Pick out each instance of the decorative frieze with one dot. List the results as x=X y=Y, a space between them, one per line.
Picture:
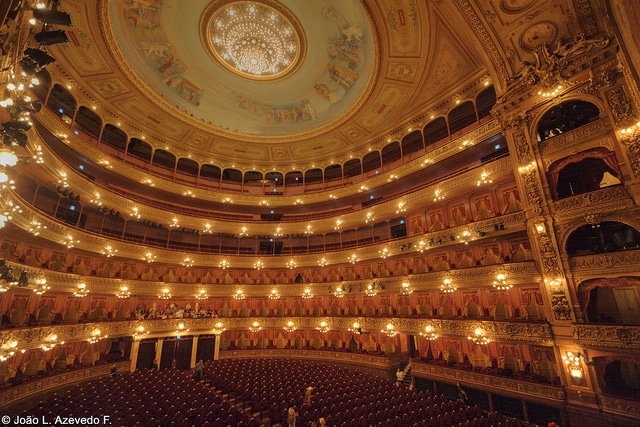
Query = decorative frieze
x=607 y=337
x=500 y=385
x=612 y=264
x=628 y=408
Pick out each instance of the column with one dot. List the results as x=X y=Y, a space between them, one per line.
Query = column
x=216 y=347
x=159 y=351
x=135 y=347
x=194 y=351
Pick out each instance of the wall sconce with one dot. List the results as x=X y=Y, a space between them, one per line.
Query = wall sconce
x=274 y=294
x=50 y=343
x=206 y=229
x=255 y=327
x=165 y=294
x=541 y=228
x=70 y=242
x=501 y=284
x=401 y=207
x=371 y=291
x=8 y=350
x=484 y=179
x=187 y=262
x=339 y=293
x=422 y=246
x=369 y=218
x=290 y=326
x=322 y=262
x=109 y=251
x=429 y=333
x=324 y=327
x=405 y=290
x=124 y=292
x=139 y=333
x=82 y=291
x=356 y=328
x=438 y=195
x=307 y=294
x=479 y=337
x=384 y=253
x=149 y=257
x=41 y=287
x=338 y=225
x=258 y=265
x=573 y=362
x=224 y=264
x=389 y=330
x=308 y=230
x=447 y=286
x=218 y=329
x=95 y=337
x=353 y=258
x=238 y=295
x=202 y=295
x=291 y=264
x=35 y=227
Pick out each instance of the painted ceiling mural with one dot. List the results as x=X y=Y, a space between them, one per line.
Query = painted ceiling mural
x=162 y=42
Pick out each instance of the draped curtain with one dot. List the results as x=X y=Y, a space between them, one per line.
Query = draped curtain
x=605 y=155
x=146 y=354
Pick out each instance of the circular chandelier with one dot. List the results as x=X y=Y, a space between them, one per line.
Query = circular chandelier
x=257 y=39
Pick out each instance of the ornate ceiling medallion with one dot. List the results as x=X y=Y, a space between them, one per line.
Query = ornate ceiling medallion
x=257 y=40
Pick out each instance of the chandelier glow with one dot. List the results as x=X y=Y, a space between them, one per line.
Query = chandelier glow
x=254 y=39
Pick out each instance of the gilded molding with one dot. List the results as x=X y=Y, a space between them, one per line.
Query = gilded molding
x=576 y=206
x=36 y=387
x=607 y=337
x=614 y=264
x=535 y=333
x=625 y=407
x=488 y=382
x=591 y=135
x=319 y=355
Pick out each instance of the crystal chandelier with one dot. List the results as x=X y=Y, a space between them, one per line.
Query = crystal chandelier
x=573 y=363
x=479 y=337
x=428 y=333
x=371 y=291
x=238 y=295
x=389 y=330
x=290 y=326
x=8 y=350
x=447 y=286
x=218 y=328
x=274 y=294
x=202 y=295
x=353 y=258
x=356 y=328
x=307 y=294
x=82 y=290
x=405 y=290
x=187 y=262
x=339 y=293
x=501 y=283
x=291 y=264
x=95 y=337
x=324 y=327
x=124 y=292
x=255 y=326
x=165 y=294
x=254 y=39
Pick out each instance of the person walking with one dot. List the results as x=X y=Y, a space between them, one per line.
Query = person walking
x=197 y=372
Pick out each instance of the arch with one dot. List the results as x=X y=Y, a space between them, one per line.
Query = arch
x=89 y=122
x=332 y=172
x=231 y=176
x=391 y=153
x=275 y=179
x=114 y=137
x=164 y=159
x=615 y=300
x=253 y=178
x=461 y=117
x=567 y=178
x=607 y=236
x=352 y=168
x=62 y=103
x=312 y=176
x=210 y=173
x=485 y=102
x=412 y=143
x=292 y=178
x=435 y=131
x=140 y=150
x=371 y=161
x=565 y=117
x=187 y=167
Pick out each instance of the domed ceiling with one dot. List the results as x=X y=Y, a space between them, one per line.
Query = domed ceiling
x=261 y=84
x=178 y=52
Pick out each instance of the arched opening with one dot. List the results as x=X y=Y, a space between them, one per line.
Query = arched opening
x=391 y=153
x=435 y=130
x=231 y=176
x=293 y=178
x=210 y=173
x=312 y=176
x=253 y=179
x=619 y=377
x=114 y=138
x=614 y=300
x=371 y=161
x=164 y=160
x=88 y=122
x=274 y=180
x=567 y=177
x=187 y=168
x=607 y=236
x=62 y=103
x=139 y=150
x=485 y=102
x=412 y=143
x=332 y=172
x=565 y=117
x=461 y=117
x=352 y=168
